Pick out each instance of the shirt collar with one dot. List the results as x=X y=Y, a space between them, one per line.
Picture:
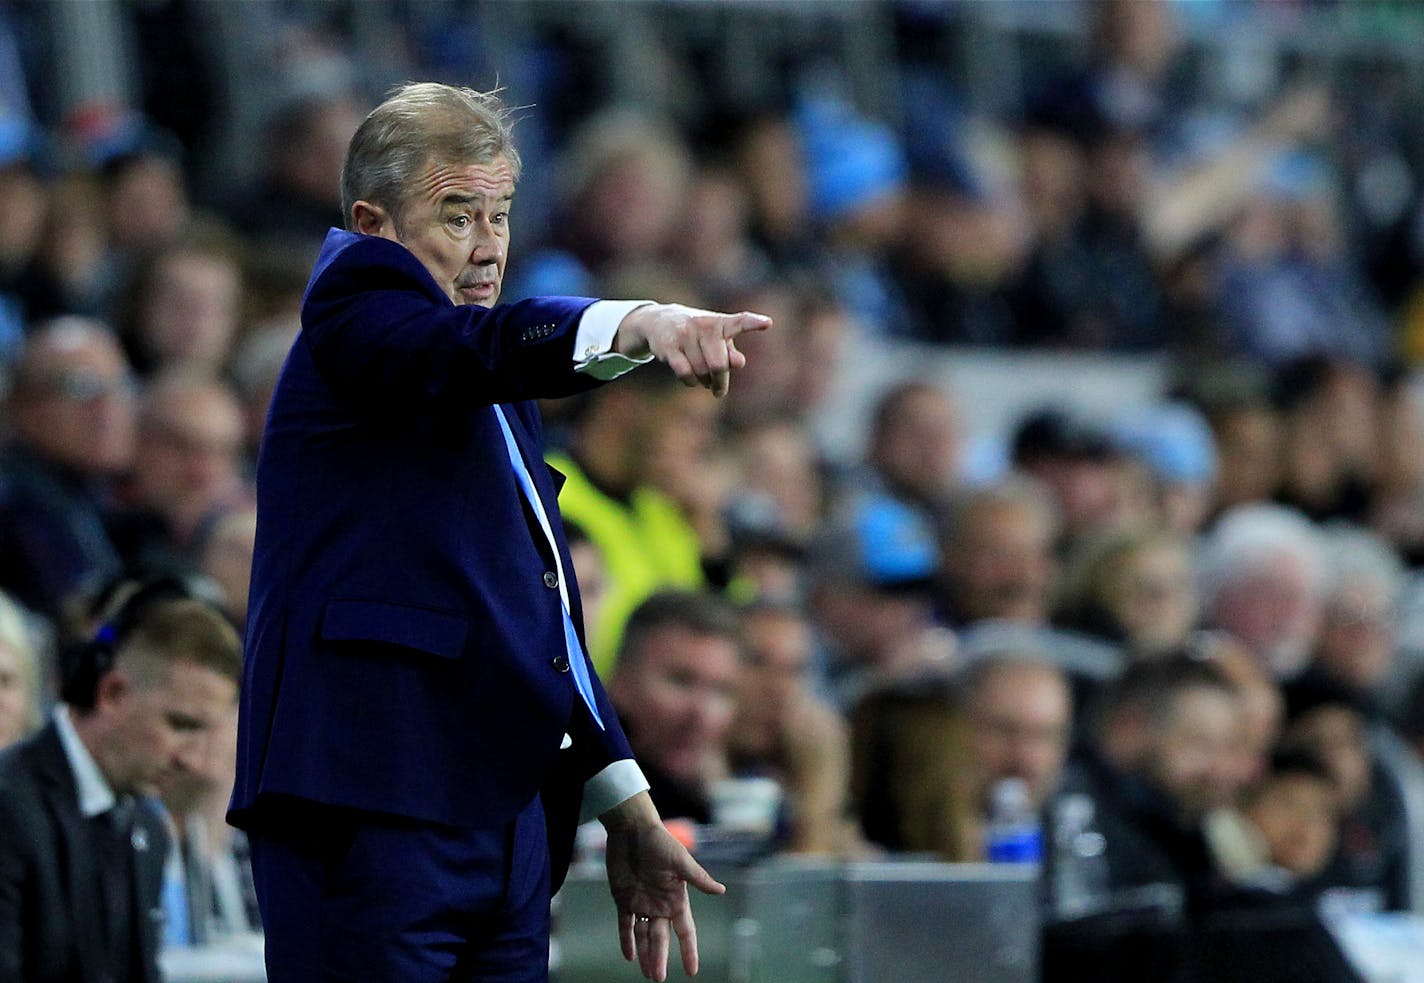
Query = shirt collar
x=95 y=795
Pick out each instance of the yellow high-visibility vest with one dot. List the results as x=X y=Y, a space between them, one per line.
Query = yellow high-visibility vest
x=646 y=544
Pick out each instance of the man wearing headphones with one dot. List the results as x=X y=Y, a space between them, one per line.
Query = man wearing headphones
x=81 y=846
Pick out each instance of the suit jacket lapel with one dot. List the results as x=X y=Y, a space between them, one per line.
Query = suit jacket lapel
x=77 y=859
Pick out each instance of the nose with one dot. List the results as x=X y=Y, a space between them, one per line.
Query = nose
x=486 y=244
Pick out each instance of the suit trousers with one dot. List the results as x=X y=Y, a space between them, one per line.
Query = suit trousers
x=366 y=897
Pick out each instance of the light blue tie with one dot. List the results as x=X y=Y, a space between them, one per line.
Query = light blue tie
x=577 y=662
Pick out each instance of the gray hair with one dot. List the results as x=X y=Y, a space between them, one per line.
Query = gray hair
x=1253 y=538
x=418 y=123
x=1356 y=557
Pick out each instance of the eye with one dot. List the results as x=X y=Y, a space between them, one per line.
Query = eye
x=460 y=221
x=500 y=218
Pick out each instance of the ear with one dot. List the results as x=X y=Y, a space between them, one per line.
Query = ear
x=113 y=687
x=372 y=220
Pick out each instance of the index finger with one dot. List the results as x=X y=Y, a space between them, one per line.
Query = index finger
x=736 y=324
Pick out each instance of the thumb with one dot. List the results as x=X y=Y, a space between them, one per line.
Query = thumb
x=735 y=358
x=697 y=876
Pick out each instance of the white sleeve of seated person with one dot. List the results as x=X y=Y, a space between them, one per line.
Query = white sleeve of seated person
x=593 y=354
x=617 y=783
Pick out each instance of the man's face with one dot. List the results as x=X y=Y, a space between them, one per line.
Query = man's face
x=188 y=454
x=778 y=648
x=1002 y=565
x=679 y=698
x=14 y=697
x=1297 y=815
x=919 y=449
x=79 y=411
x=456 y=222
x=162 y=728
x=1273 y=611
x=1020 y=719
x=1192 y=758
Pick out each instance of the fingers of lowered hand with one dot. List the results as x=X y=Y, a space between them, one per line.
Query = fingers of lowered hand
x=626 y=939
x=686 y=930
x=653 y=939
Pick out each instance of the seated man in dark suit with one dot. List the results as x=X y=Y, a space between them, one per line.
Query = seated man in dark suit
x=81 y=845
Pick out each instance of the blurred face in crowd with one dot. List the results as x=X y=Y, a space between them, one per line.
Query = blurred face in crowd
x=592 y=581
x=1153 y=597
x=17 y=709
x=25 y=200
x=779 y=461
x=1000 y=563
x=1248 y=444
x=677 y=695
x=227 y=559
x=1357 y=636
x=1273 y=610
x=190 y=443
x=917 y=447
x=635 y=203
x=1298 y=817
x=778 y=649
x=456 y=222
x=150 y=202
x=770 y=160
x=767 y=383
x=1336 y=735
x=1261 y=705
x=74 y=400
x=158 y=720
x=1191 y=755
x=1020 y=717
x=190 y=313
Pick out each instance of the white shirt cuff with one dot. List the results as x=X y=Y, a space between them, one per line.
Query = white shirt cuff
x=617 y=783
x=592 y=344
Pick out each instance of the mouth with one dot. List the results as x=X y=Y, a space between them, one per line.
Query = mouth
x=483 y=290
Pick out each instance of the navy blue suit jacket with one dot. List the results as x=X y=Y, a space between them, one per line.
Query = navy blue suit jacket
x=404 y=647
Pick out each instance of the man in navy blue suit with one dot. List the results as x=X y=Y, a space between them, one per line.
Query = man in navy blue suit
x=420 y=727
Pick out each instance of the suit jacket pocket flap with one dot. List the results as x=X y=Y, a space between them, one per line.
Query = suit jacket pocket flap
x=435 y=632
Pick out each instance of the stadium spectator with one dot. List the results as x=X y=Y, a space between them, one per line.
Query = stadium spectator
x=1262 y=572
x=1020 y=716
x=19 y=675
x=645 y=539
x=674 y=686
x=73 y=415
x=869 y=576
x=185 y=305
x=187 y=467
x=996 y=549
x=782 y=730
x=139 y=707
x=1133 y=587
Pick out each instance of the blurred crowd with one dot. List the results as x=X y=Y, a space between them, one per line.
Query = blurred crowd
x=1190 y=635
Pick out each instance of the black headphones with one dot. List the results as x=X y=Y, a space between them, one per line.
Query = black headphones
x=90 y=660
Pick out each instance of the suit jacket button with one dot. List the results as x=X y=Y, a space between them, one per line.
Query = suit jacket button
x=561 y=663
x=551 y=579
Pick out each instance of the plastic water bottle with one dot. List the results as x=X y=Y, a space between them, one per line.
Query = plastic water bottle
x=1080 y=874
x=1014 y=835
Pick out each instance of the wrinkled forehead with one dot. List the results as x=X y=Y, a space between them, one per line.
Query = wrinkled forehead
x=439 y=181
